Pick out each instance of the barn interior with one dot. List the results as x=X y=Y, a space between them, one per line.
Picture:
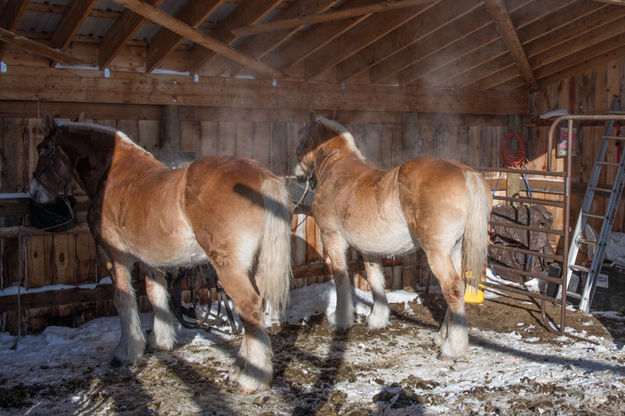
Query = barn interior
x=476 y=81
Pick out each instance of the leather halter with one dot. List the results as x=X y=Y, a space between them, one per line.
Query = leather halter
x=311 y=182
x=49 y=155
x=65 y=197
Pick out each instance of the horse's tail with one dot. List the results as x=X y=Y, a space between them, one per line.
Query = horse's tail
x=273 y=273
x=476 y=229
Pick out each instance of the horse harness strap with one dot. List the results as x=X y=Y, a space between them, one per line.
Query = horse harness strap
x=182 y=312
x=49 y=155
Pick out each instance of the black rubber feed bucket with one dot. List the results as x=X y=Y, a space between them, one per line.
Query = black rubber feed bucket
x=54 y=216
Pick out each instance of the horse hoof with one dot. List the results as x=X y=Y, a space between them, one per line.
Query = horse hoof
x=377 y=323
x=344 y=325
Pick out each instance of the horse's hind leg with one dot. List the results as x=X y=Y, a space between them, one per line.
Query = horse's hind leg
x=132 y=342
x=452 y=338
x=254 y=359
x=379 y=317
x=343 y=317
x=163 y=332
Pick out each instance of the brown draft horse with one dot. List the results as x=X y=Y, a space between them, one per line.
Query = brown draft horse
x=231 y=212
x=439 y=205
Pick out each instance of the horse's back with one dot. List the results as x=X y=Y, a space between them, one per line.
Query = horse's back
x=221 y=177
x=436 y=195
x=224 y=200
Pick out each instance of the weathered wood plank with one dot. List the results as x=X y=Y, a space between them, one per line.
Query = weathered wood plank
x=84 y=86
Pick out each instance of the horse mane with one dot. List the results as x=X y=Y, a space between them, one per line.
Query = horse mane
x=100 y=128
x=341 y=130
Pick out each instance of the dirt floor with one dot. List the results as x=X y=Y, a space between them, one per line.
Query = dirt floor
x=394 y=371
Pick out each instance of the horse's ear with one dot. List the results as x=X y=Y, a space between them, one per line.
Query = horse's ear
x=80 y=118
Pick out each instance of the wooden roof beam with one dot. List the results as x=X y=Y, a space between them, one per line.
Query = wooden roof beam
x=328 y=16
x=593 y=56
x=498 y=11
x=259 y=46
x=483 y=37
x=86 y=86
x=71 y=22
x=245 y=13
x=588 y=38
x=176 y=26
x=373 y=28
x=437 y=39
x=11 y=17
x=431 y=20
x=194 y=13
x=485 y=62
x=315 y=38
x=37 y=48
x=525 y=17
x=120 y=33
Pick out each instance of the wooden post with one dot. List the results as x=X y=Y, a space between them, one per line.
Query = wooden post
x=513 y=181
x=410 y=143
x=170 y=134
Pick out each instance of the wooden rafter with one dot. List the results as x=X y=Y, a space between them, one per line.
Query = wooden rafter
x=252 y=12
x=313 y=39
x=442 y=36
x=358 y=38
x=328 y=16
x=71 y=22
x=37 y=48
x=553 y=50
x=556 y=25
x=498 y=11
x=583 y=64
x=120 y=33
x=194 y=13
x=578 y=43
x=60 y=9
x=577 y=28
x=469 y=62
x=11 y=17
x=617 y=2
x=259 y=46
x=597 y=52
x=176 y=26
x=468 y=43
x=402 y=37
x=557 y=19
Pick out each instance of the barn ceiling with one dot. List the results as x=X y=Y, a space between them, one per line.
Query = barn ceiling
x=492 y=45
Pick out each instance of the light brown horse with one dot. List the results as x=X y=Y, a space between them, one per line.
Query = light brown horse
x=439 y=205
x=231 y=212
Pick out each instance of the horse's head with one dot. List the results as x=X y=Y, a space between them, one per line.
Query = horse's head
x=54 y=174
x=312 y=136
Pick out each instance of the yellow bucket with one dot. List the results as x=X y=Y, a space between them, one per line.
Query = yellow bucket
x=472 y=295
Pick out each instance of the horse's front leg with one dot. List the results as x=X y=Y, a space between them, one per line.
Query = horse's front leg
x=379 y=317
x=163 y=335
x=343 y=317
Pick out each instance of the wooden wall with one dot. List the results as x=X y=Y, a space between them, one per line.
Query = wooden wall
x=271 y=137
x=386 y=138
x=590 y=92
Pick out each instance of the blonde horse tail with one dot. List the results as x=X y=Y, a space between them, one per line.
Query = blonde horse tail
x=273 y=273
x=476 y=229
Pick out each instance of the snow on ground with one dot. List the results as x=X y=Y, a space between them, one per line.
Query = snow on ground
x=394 y=371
